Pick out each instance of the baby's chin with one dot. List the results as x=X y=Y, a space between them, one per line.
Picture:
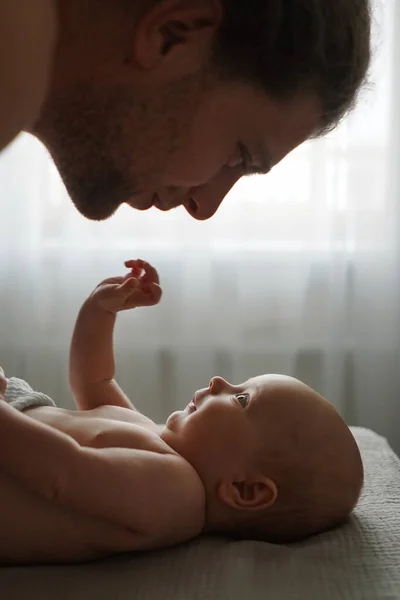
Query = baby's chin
x=176 y=420
x=179 y=417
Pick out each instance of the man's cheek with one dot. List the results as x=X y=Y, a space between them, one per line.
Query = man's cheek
x=192 y=174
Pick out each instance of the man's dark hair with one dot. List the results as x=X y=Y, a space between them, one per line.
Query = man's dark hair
x=291 y=47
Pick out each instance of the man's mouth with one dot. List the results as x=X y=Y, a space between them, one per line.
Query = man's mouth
x=164 y=204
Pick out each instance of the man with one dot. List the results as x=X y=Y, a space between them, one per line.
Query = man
x=169 y=102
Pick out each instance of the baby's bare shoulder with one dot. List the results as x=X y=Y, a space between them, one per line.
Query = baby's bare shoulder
x=173 y=498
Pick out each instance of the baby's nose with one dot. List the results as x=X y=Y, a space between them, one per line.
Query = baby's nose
x=218 y=384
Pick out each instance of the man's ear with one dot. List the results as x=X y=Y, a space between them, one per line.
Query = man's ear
x=177 y=35
x=255 y=493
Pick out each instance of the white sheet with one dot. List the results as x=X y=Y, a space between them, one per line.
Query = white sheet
x=359 y=562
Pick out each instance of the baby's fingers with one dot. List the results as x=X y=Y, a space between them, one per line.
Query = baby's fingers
x=136 y=270
x=147 y=295
x=150 y=273
x=152 y=294
x=128 y=286
x=153 y=291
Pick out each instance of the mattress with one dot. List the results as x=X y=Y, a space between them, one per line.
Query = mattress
x=359 y=561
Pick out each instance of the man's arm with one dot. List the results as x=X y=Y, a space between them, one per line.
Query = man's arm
x=142 y=491
x=92 y=362
x=27 y=40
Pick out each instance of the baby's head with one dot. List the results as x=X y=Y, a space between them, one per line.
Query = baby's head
x=277 y=461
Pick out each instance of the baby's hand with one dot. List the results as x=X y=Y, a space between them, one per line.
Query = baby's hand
x=140 y=287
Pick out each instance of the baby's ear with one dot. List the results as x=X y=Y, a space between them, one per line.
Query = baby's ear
x=256 y=493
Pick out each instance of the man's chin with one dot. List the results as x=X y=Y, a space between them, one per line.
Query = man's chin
x=96 y=193
x=103 y=211
x=94 y=203
x=95 y=212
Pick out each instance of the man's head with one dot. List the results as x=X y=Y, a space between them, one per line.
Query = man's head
x=277 y=461
x=170 y=102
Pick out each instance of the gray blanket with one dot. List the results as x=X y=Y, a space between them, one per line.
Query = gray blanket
x=361 y=561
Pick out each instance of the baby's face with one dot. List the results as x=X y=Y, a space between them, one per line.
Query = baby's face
x=223 y=426
x=270 y=429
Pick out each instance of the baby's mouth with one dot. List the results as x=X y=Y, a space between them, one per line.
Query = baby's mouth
x=191 y=407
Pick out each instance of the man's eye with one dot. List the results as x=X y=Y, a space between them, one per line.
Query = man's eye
x=242 y=399
x=246 y=159
x=241 y=158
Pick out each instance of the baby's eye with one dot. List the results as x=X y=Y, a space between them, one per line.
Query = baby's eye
x=242 y=399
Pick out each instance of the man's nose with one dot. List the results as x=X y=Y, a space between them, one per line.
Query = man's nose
x=205 y=199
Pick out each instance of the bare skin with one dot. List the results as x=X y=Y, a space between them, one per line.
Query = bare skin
x=39 y=528
x=109 y=453
x=28 y=32
x=83 y=484
x=127 y=106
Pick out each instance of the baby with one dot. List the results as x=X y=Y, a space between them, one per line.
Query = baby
x=269 y=459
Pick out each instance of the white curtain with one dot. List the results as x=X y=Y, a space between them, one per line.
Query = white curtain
x=297 y=273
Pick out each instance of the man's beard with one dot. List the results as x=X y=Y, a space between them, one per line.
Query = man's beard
x=84 y=135
x=101 y=158
x=97 y=192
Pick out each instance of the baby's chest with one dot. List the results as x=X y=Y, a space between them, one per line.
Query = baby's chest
x=97 y=432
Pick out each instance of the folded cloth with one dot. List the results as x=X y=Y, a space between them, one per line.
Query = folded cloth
x=21 y=396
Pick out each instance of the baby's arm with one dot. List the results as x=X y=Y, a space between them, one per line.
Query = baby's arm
x=139 y=490
x=92 y=363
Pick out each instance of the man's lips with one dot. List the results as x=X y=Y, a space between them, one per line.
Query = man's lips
x=144 y=201
x=141 y=205
x=166 y=204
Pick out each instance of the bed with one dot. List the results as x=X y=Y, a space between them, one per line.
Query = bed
x=359 y=561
